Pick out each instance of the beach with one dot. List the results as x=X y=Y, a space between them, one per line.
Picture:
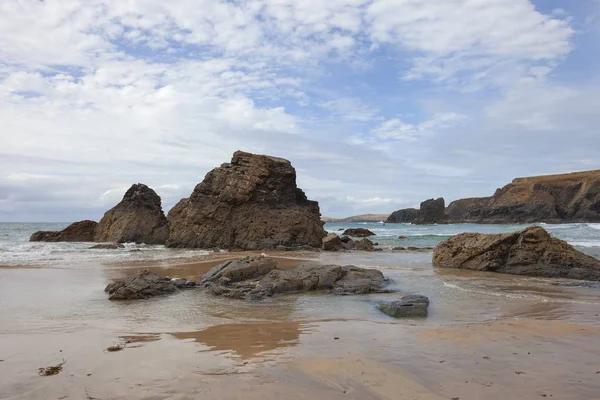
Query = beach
x=487 y=335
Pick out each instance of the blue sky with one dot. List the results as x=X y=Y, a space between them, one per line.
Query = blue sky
x=379 y=104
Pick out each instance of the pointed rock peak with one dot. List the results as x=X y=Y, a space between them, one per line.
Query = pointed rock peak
x=141 y=194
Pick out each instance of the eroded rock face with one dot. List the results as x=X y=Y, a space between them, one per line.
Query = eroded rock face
x=408 y=306
x=404 y=216
x=144 y=285
x=432 y=211
x=531 y=252
x=137 y=218
x=571 y=197
x=248 y=204
x=82 y=231
x=257 y=277
x=358 y=232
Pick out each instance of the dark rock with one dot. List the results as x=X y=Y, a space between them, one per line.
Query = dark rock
x=407 y=306
x=251 y=203
x=365 y=245
x=144 y=285
x=137 y=218
x=571 y=197
x=108 y=246
x=358 y=232
x=402 y=237
x=82 y=231
x=332 y=242
x=348 y=243
x=257 y=277
x=432 y=212
x=531 y=252
x=404 y=216
x=399 y=248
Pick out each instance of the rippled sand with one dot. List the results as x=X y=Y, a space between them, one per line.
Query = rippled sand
x=487 y=337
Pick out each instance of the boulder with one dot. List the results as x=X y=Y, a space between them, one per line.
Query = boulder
x=257 y=277
x=432 y=211
x=348 y=243
x=251 y=203
x=108 y=246
x=332 y=242
x=358 y=232
x=364 y=245
x=137 y=218
x=531 y=252
x=407 y=306
x=144 y=285
x=82 y=231
x=404 y=216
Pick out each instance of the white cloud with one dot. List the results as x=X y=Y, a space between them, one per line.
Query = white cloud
x=398 y=130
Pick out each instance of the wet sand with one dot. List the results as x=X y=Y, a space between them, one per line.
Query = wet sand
x=487 y=337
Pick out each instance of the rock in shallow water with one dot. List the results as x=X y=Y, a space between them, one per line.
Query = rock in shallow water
x=407 y=306
x=358 y=232
x=531 y=252
x=258 y=277
x=82 y=231
x=144 y=285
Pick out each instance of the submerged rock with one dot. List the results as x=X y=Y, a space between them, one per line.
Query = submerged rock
x=407 y=306
x=531 y=252
x=332 y=242
x=251 y=203
x=358 y=232
x=82 y=231
x=144 y=285
x=258 y=277
x=137 y=218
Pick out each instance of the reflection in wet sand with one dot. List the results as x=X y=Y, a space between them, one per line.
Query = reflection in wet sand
x=248 y=340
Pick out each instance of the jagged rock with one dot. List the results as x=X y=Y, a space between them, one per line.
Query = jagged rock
x=432 y=211
x=137 y=218
x=332 y=242
x=404 y=216
x=144 y=285
x=108 y=246
x=407 y=306
x=257 y=277
x=82 y=231
x=251 y=203
x=365 y=245
x=571 y=197
x=531 y=252
x=358 y=232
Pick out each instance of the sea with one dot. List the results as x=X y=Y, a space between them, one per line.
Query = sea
x=15 y=248
x=487 y=336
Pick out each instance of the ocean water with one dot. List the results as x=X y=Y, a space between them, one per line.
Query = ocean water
x=15 y=248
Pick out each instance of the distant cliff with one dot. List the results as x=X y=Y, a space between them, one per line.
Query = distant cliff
x=573 y=197
x=358 y=218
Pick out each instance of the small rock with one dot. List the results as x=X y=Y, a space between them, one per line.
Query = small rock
x=407 y=306
x=358 y=232
x=108 y=246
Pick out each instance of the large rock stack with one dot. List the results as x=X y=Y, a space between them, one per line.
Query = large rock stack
x=251 y=203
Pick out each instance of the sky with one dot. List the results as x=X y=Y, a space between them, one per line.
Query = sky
x=379 y=104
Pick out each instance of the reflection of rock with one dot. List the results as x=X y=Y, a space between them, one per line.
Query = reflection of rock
x=531 y=251
x=247 y=340
x=258 y=277
x=144 y=285
x=358 y=232
x=82 y=231
x=251 y=203
x=137 y=218
x=407 y=306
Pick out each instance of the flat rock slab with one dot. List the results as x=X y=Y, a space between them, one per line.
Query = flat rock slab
x=358 y=232
x=144 y=285
x=257 y=278
x=407 y=306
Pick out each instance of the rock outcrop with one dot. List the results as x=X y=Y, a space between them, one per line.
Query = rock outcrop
x=258 y=277
x=408 y=306
x=82 y=231
x=358 y=232
x=137 y=218
x=144 y=285
x=332 y=242
x=432 y=211
x=554 y=198
x=531 y=252
x=248 y=204
x=404 y=216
